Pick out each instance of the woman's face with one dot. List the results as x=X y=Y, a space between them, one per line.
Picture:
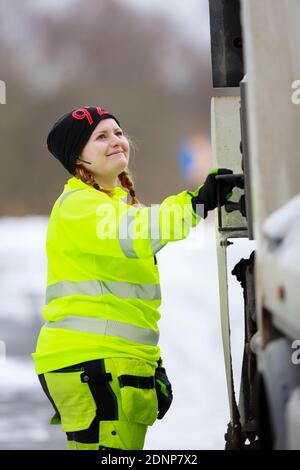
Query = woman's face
x=107 y=150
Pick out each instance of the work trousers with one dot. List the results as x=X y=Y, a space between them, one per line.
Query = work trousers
x=105 y=403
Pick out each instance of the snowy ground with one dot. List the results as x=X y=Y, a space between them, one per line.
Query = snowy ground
x=190 y=339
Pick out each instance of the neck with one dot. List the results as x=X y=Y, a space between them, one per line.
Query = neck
x=106 y=183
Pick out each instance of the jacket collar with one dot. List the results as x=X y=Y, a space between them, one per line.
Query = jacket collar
x=75 y=183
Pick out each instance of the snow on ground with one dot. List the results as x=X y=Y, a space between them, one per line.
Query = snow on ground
x=190 y=339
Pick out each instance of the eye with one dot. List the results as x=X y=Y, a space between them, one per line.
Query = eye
x=119 y=133
x=101 y=136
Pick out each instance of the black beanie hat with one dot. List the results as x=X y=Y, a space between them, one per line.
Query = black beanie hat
x=71 y=132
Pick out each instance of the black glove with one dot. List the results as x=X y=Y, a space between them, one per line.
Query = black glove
x=163 y=390
x=207 y=195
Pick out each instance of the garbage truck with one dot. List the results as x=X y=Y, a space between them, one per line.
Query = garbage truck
x=255 y=131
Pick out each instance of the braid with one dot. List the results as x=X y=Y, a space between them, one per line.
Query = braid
x=87 y=177
x=127 y=183
x=84 y=175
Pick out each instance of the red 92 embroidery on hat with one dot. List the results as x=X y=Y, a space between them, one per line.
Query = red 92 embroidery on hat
x=82 y=113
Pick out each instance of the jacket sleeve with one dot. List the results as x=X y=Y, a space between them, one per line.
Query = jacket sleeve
x=104 y=226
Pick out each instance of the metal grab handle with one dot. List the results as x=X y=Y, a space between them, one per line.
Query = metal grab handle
x=239 y=177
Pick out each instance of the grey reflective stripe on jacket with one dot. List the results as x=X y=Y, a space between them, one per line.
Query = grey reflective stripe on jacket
x=107 y=328
x=123 y=290
x=126 y=231
x=65 y=195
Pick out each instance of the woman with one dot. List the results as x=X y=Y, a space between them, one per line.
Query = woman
x=97 y=356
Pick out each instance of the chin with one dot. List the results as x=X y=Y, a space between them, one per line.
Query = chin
x=122 y=167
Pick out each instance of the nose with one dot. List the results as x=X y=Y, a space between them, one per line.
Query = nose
x=115 y=140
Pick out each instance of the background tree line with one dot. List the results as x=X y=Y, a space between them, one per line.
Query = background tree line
x=95 y=52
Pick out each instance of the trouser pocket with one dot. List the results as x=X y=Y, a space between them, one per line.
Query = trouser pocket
x=79 y=394
x=137 y=390
x=72 y=398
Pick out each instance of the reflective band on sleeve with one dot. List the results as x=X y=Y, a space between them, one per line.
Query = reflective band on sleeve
x=125 y=234
x=126 y=230
x=65 y=195
x=107 y=328
x=124 y=290
x=155 y=228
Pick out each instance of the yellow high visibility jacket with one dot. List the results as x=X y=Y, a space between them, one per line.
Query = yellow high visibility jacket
x=103 y=290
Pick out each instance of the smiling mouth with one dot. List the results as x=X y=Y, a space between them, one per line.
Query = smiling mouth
x=115 y=153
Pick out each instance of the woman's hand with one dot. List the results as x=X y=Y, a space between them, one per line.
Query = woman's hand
x=206 y=196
